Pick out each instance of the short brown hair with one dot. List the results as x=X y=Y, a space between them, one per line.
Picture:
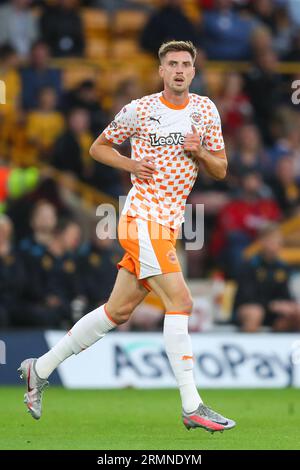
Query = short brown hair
x=175 y=46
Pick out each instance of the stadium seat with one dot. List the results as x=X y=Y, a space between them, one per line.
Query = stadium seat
x=192 y=10
x=96 y=22
x=108 y=82
x=129 y=22
x=73 y=75
x=124 y=48
x=96 y=48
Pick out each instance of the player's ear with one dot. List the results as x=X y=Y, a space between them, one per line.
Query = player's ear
x=161 y=71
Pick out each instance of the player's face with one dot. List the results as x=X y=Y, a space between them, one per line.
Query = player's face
x=177 y=71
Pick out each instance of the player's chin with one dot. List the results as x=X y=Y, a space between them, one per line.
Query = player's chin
x=179 y=86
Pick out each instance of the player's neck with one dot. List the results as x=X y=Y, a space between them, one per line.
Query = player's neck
x=176 y=99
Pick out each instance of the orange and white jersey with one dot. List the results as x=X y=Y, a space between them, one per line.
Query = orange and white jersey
x=157 y=127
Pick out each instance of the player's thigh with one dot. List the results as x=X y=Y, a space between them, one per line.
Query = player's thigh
x=127 y=294
x=173 y=291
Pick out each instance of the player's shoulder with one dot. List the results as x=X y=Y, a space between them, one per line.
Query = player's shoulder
x=201 y=100
x=205 y=106
x=140 y=104
x=148 y=100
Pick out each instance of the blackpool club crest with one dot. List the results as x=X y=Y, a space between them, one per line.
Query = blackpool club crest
x=195 y=118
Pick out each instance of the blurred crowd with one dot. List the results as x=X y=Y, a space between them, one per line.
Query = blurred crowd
x=52 y=275
x=45 y=122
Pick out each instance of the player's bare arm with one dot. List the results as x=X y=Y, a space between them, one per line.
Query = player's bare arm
x=102 y=151
x=215 y=163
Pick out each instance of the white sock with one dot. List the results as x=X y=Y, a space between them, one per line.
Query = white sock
x=84 y=333
x=179 y=350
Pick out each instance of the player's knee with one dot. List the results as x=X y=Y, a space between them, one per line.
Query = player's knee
x=188 y=304
x=184 y=303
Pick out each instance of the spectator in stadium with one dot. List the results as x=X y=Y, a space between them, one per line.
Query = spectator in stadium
x=213 y=195
x=249 y=152
x=264 y=88
x=293 y=55
x=263 y=296
x=85 y=96
x=10 y=75
x=70 y=151
x=199 y=83
x=285 y=186
x=31 y=186
x=54 y=287
x=98 y=268
x=168 y=22
x=8 y=113
x=261 y=40
x=61 y=28
x=285 y=129
x=16 y=183
x=45 y=124
x=226 y=33
x=283 y=34
x=240 y=220
x=277 y=37
x=264 y=11
x=12 y=274
x=38 y=75
x=18 y=26
x=294 y=12
x=234 y=104
x=71 y=154
x=64 y=281
x=42 y=223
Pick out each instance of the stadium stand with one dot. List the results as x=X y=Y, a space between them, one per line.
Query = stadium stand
x=60 y=95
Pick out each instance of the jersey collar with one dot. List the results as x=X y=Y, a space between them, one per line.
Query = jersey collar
x=171 y=105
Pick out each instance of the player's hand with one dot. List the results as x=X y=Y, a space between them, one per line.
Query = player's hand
x=192 y=143
x=144 y=168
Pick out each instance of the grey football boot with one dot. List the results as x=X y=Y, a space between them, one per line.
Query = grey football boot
x=204 y=417
x=35 y=387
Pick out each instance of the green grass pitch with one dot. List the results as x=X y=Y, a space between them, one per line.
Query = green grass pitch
x=148 y=420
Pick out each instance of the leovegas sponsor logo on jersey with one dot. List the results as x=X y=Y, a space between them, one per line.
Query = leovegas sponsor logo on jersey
x=174 y=138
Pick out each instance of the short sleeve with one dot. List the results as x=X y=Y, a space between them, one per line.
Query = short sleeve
x=213 y=138
x=124 y=124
